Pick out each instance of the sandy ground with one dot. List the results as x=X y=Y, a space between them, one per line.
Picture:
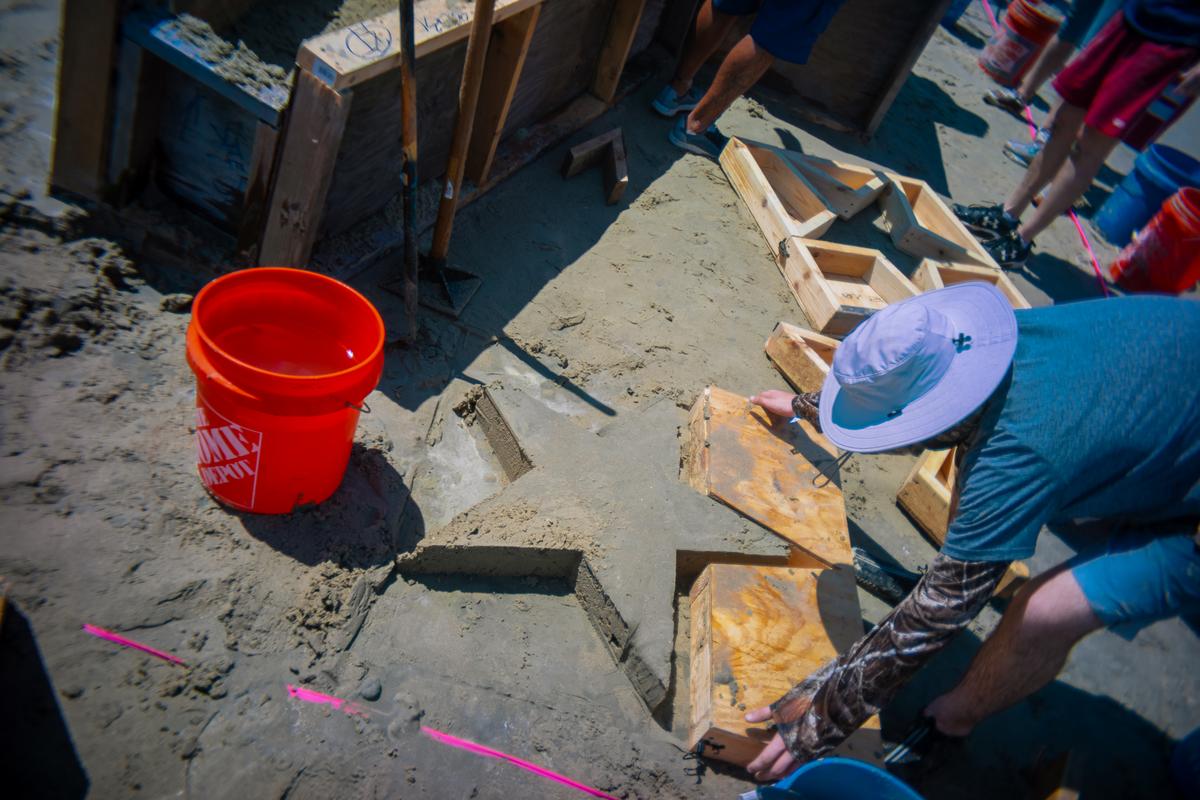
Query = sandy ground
x=603 y=311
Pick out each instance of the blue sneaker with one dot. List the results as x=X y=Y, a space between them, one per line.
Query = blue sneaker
x=709 y=143
x=1024 y=152
x=669 y=103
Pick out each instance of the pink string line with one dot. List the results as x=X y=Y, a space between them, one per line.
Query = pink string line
x=309 y=696
x=479 y=749
x=1087 y=245
x=121 y=640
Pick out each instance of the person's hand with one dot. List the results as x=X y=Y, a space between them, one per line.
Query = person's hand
x=1190 y=83
x=775 y=402
x=775 y=761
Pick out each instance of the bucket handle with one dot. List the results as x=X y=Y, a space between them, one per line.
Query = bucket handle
x=363 y=409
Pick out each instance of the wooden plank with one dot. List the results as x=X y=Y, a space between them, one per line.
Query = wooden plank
x=85 y=96
x=349 y=56
x=505 y=59
x=755 y=633
x=316 y=119
x=847 y=188
x=616 y=171
x=622 y=27
x=931 y=275
x=163 y=37
x=921 y=224
x=837 y=285
x=258 y=186
x=801 y=356
x=926 y=25
x=769 y=470
x=588 y=154
x=137 y=105
x=781 y=200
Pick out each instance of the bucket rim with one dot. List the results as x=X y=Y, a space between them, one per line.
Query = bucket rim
x=304 y=274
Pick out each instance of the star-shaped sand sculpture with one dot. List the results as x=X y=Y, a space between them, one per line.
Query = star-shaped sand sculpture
x=608 y=512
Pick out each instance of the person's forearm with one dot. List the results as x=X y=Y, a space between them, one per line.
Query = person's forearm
x=816 y=715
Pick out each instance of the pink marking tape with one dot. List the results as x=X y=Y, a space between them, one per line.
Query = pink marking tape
x=309 y=696
x=121 y=640
x=478 y=749
x=1087 y=245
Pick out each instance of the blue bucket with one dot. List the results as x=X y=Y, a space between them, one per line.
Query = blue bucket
x=1157 y=174
x=845 y=779
x=957 y=9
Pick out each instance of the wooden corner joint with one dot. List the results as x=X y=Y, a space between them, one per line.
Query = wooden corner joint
x=609 y=148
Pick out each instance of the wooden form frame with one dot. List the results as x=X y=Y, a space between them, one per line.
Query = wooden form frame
x=931 y=275
x=847 y=188
x=755 y=633
x=775 y=473
x=926 y=496
x=921 y=224
x=782 y=201
x=802 y=357
x=838 y=285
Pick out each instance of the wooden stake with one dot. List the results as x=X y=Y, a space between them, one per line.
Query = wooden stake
x=607 y=147
x=408 y=177
x=468 y=98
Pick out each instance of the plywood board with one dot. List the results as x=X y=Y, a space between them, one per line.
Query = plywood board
x=921 y=224
x=755 y=633
x=350 y=56
x=847 y=188
x=770 y=471
x=838 y=286
x=931 y=275
x=780 y=198
x=801 y=356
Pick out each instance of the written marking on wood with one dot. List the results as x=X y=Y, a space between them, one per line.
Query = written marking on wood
x=349 y=56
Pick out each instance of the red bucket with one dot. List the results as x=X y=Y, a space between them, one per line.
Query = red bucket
x=1027 y=27
x=1165 y=255
x=283 y=359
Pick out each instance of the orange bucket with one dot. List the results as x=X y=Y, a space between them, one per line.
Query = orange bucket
x=1165 y=255
x=283 y=359
x=1026 y=29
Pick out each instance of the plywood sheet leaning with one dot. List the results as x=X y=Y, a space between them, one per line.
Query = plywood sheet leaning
x=801 y=356
x=770 y=471
x=931 y=274
x=847 y=188
x=921 y=224
x=782 y=201
x=926 y=496
x=755 y=633
x=837 y=285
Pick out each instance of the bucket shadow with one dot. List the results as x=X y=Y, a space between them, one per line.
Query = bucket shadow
x=368 y=520
x=37 y=756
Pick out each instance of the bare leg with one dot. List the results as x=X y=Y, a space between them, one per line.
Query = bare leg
x=1071 y=182
x=1052 y=59
x=702 y=41
x=740 y=70
x=1025 y=652
x=1064 y=129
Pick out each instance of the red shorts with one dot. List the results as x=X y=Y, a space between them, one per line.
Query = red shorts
x=1119 y=77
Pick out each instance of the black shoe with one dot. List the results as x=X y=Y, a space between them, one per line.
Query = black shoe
x=1009 y=251
x=922 y=750
x=986 y=222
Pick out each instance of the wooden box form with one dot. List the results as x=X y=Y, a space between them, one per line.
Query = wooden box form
x=782 y=201
x=932 y=275
x=770 y=471
x=755 y=633
x=838 y=285
x=327 y=156
x=926 y=496
x=847 y=188
x=801 y=356
x=921 y=224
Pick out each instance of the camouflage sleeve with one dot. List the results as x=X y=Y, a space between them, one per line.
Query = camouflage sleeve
x=829 y=705
x=804 y=406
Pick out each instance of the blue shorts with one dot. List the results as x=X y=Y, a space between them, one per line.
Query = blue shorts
x=787 y=29
x=1144 y=577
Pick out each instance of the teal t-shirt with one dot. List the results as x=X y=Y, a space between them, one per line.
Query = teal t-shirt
x=1099 y=417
